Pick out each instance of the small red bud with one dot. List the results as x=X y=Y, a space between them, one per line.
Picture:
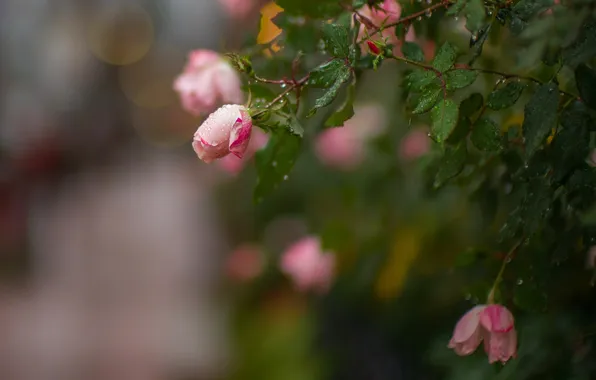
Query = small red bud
x=373 y=47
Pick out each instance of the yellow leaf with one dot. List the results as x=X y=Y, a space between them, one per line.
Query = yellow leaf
x=268 y=30
x=516 y=119
x=394 y=273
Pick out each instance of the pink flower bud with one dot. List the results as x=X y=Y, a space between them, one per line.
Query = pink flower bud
x=414 y=145
x=208 y=81
x=373 y=47
x=492 y=323
x=244 y=263
x=225 y=131
x=234 y=165
x=309 y=267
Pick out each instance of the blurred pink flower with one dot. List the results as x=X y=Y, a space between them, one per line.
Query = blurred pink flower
x=225 y=131
x=492 y=323
x=591 y=160
x=208 y=81
x=244 y=263
x=233 y=164
x=591 y=257
x=309 y=267
x=387 y=12
x=414 y=145
x=239 y=9
x=345 y=147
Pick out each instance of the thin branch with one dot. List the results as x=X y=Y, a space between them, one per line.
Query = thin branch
x=408 y=19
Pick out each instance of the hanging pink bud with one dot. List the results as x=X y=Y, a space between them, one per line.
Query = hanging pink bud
x=492 y=323
x=308 y=266
x=373 y=47
x=225 y=131
x=233 y=164
x=208 y=81
x=244 y=263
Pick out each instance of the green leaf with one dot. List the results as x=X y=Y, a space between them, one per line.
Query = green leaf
x=345 y=111
x=444 y=116
x=461 y=130
x=505 y=96
x=325 y=75
x=273 y=121
x=471 y=104
x=540 y=116
x=486 y=135
x=319 y=9
x=456 y=79
x=418 y=79
x=302 y=35
x=585 y=79
x=452 y=163
x=456 y=8
x=526 y=9
x=427 y=99
x=475 y=15
x=412 y=51
x=445 y=57
x=275 y=161
x=337 y=40
x=341 y=75
x=571 y=144
x=584 y=47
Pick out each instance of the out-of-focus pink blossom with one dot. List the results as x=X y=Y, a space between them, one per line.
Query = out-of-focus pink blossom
x=207 y=82
x=239 y=9
x=387 y=12
x=591 y=258
x=308 y=266
x=414 y=145
x=233 y=164
x=244 y=263
x=492 y=323
x=591 y=160
x=345 y=147
x=225 y=131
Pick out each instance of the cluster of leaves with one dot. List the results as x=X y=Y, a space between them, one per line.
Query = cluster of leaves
x=512 y=131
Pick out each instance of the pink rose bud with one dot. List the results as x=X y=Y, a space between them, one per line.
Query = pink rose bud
x=233 y=164
x=414 y=145
x=308 y=266
x=244 y=263
x=208 y=81
x=225 y=131
x=373 y=47
x=492 y=323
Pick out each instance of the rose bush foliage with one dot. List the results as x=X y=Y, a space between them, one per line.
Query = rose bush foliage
x=471 y=187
